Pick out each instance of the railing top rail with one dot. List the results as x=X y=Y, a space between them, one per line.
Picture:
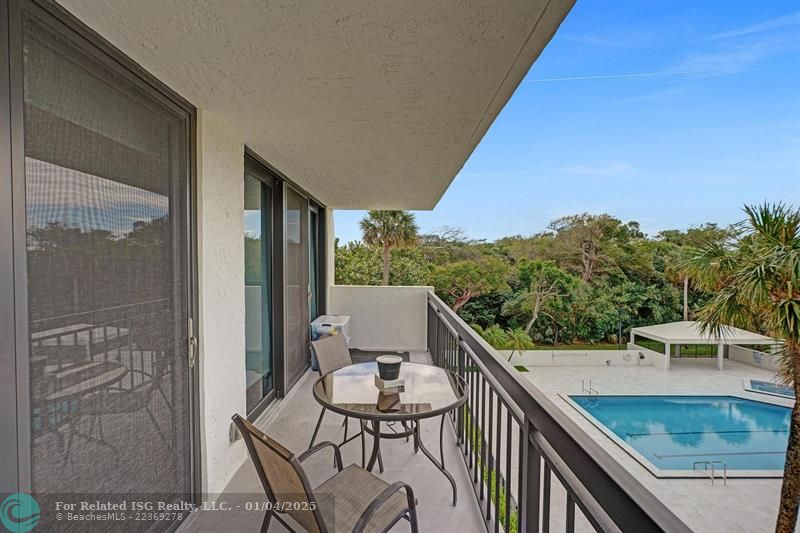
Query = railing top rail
x=629 y=504
x=102 y=310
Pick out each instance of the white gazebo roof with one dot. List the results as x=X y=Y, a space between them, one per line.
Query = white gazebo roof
x=689 y=332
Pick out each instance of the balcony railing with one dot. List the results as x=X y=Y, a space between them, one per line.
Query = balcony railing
x=516 y=443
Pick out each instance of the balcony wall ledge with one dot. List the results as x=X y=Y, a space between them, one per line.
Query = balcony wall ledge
x=383 y=318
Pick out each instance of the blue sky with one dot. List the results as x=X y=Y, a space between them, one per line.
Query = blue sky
x=669 y=113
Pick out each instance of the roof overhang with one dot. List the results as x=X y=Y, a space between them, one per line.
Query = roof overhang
x=365 y=104
x=690 y=332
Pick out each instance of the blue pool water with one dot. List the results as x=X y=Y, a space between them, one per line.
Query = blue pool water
x=672 y=432
x=771 y=388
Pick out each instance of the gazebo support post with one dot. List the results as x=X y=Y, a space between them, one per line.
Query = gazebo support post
x=720 y=354
x=668 y=353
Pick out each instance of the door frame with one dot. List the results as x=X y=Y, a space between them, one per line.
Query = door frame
x=282 y=384
x=254 y=168
x=9 y=393
x=319 y=250
x=322 y=259
x=12 y=154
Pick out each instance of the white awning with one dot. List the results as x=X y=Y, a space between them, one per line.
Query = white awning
x=689 y=332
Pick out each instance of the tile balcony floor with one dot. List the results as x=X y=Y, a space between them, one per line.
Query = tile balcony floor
x=291 y=422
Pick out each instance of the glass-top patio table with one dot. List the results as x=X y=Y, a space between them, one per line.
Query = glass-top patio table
x=429 y=391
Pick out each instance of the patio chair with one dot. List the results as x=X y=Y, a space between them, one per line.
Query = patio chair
x=134 y=394
x=352 y=500
x=332 y=354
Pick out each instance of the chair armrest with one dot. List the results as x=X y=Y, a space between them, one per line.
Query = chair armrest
x=381 y=499
x=337 y=455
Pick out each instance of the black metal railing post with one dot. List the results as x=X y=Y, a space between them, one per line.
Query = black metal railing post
x=530 y=473
x=439 y=326
x=461 y=371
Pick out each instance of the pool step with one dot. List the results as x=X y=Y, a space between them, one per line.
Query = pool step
x=594 y=394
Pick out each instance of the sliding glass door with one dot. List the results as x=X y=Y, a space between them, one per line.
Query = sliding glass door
x=298 y=292
x=284 y=269
x=258 y=227
x=107 y=181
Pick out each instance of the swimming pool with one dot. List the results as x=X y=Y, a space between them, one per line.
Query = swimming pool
x=672 y=432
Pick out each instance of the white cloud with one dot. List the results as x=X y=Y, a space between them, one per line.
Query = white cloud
x=591 y=40
x=619 y=37
x=611 y=76
x=771 y=24
x=725 y=61
x=602 y=169
x=731 y=59
x=660 y=95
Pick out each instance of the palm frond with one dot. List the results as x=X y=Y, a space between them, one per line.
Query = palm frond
x=755 y=280
x=389 y=229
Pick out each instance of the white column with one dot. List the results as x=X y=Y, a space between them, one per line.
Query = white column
x=720 y=354
x=668 y=354
x=220 y=258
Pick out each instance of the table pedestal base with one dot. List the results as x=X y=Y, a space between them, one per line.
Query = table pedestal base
x=415 y=431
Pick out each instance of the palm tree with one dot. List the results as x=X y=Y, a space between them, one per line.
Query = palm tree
x=519 y=341
x=494 y=335
x=755 y=277
x=678 y=272
x=387 y=230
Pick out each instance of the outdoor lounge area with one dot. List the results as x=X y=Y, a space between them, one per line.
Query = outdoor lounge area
x=538 y=476
x=292 y=423
x=666 y=342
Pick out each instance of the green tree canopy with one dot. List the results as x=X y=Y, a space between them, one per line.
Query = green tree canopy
x=358 y=264
x=461 y=281
x=545 y=286
x=611 y=273
x=587 y=242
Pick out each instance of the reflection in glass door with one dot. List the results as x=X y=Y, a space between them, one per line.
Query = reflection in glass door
x=257 y=274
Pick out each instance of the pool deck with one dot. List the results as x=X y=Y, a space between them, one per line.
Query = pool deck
x=744 y=505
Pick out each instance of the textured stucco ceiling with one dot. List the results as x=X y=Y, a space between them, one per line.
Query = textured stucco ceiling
x=364 y=103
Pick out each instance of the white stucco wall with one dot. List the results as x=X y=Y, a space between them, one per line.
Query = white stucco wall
x=220 y=224
x=383 y=318
x=748 y=356
x=658 y=360
x=577 y=358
